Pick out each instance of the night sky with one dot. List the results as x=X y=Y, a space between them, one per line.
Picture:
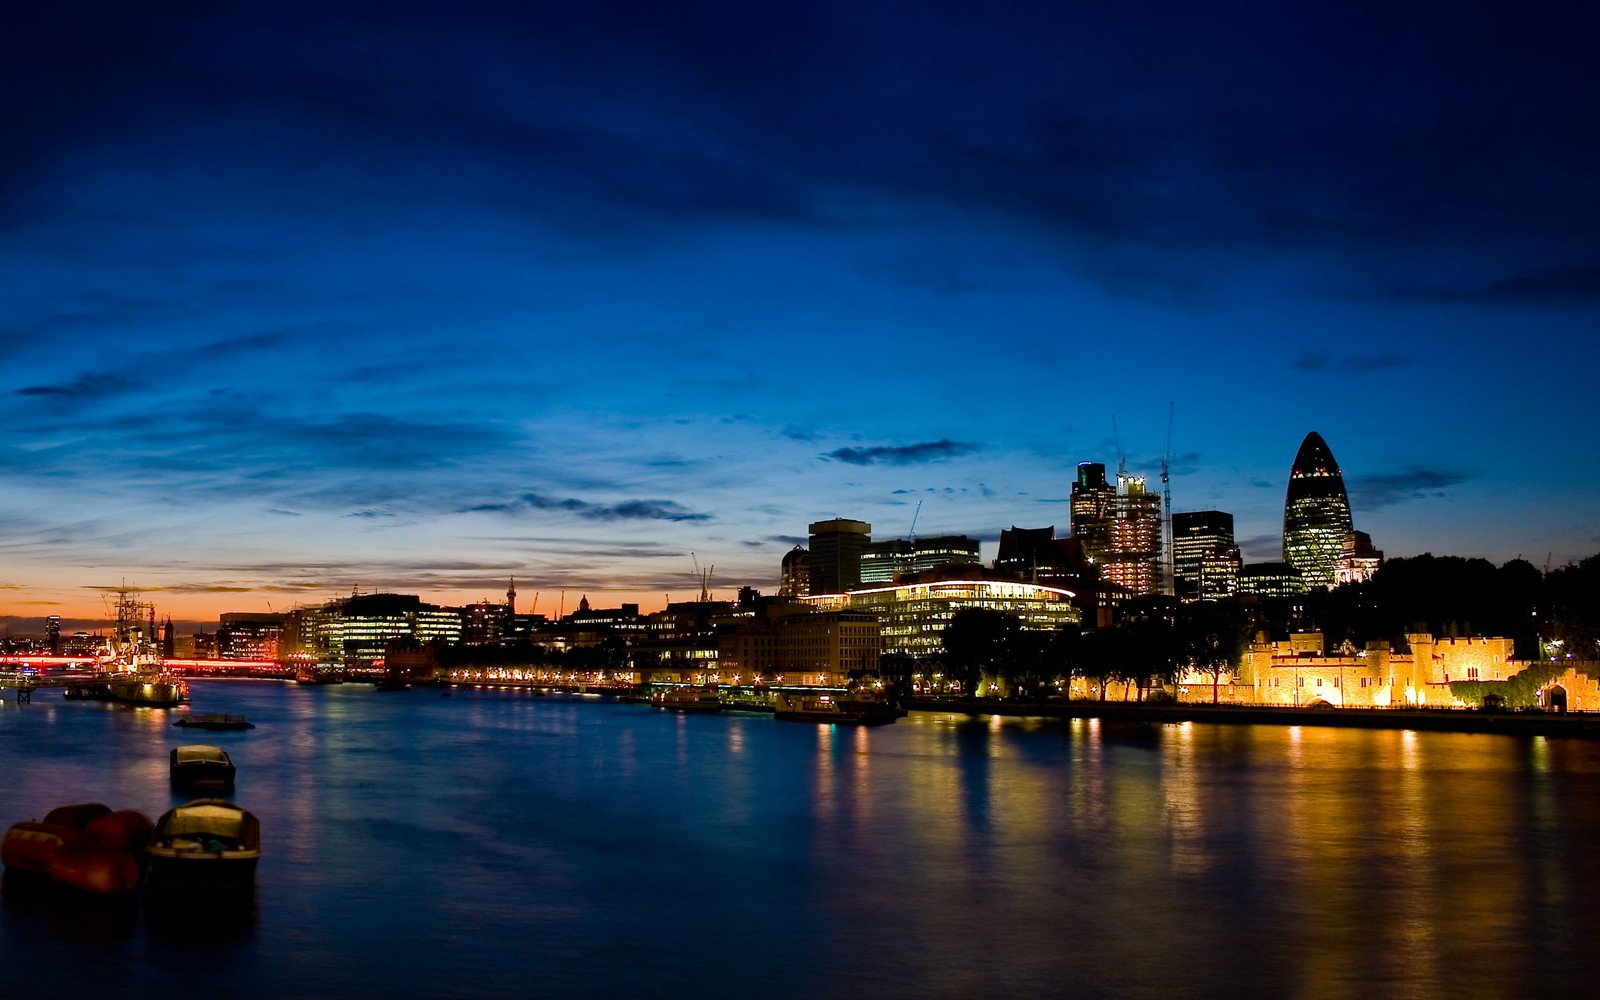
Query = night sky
x=299 y=297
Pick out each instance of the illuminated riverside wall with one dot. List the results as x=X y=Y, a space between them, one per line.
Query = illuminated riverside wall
x=1296 y=672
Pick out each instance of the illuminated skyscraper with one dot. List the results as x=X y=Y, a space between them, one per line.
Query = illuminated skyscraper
x=1092 y=498
x=1316 y=513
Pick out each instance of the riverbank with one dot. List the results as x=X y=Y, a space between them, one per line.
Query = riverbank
x=1431 y=720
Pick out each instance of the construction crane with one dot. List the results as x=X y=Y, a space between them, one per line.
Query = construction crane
x=1170 y=587
x=910 y=561
x=704 y=577
x=1122 y=460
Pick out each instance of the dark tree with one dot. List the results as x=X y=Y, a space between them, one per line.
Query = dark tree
x=1101 y=653
x=976 y=642
x=1215 y=635
x=1574 y=594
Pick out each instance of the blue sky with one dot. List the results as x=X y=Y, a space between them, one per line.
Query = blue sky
x=302 y=297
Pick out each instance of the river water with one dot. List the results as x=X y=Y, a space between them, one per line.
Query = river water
x=505 y=844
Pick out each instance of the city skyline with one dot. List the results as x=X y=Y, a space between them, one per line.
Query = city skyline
x=302 y=300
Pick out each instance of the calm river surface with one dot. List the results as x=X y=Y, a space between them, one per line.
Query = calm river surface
x=504 y=844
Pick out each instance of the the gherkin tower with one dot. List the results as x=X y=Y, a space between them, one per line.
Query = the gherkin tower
x=1316 y=513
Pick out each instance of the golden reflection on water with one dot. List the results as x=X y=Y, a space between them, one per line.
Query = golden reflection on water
x=1304 y=861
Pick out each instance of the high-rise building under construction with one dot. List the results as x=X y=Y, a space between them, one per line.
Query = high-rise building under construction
x=1119 y=528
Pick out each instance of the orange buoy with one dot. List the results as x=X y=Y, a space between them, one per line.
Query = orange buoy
x=76 y=817
x=95 y=868
x=127 y=829
x=32 y=846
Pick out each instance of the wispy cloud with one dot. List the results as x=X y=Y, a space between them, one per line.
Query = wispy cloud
x=909 y=454
x=627 y=510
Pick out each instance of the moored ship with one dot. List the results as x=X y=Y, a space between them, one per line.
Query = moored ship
x=853 y=708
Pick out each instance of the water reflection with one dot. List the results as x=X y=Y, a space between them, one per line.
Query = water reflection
x=533 y=839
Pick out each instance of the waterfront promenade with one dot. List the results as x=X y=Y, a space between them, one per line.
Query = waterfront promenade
x=1443 y=720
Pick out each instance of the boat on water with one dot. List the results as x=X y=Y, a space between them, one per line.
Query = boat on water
x=154 y=689
x=198 y=767
x=689 y=699
x=206 y=844
x=132 y=666
x=852 y=708
x=318 y=673
x=213 y=721
x=87 y=847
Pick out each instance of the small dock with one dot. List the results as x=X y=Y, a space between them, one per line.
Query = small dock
x=24 y=682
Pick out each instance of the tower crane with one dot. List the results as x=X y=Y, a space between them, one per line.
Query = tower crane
x=910 y=562
x=1170 y=587
x=1122 y=460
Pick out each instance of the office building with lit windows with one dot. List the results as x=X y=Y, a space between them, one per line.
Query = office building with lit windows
x=1271 y=579
x=1202 y=540
x=913 y=616
x=1090 y=507
x=894 y=558
x=248 y=635
x=356 y=630
x=794 y=575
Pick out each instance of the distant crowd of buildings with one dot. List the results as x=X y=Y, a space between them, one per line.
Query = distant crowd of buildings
x=844 y=600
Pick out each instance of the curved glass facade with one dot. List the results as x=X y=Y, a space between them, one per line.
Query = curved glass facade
x=1316 y=513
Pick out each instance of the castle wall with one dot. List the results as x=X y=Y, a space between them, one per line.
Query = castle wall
x=1296 y=672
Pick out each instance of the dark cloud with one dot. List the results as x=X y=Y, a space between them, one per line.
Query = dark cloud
x=1261 y=548
x=627 y=510
x=87 y=386
x=910 y=454
x=937 y=275
x=1415 y=483
x=1350 y=364
x=1557 y=286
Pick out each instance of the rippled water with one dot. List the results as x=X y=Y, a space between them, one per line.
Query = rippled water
x=510 y=845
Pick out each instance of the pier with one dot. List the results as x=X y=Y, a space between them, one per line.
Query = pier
x=26 y=680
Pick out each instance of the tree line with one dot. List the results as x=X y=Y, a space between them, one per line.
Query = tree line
x=1158 y=641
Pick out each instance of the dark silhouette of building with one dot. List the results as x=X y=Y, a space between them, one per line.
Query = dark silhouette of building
x=836 y=549
x=1316 y=513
